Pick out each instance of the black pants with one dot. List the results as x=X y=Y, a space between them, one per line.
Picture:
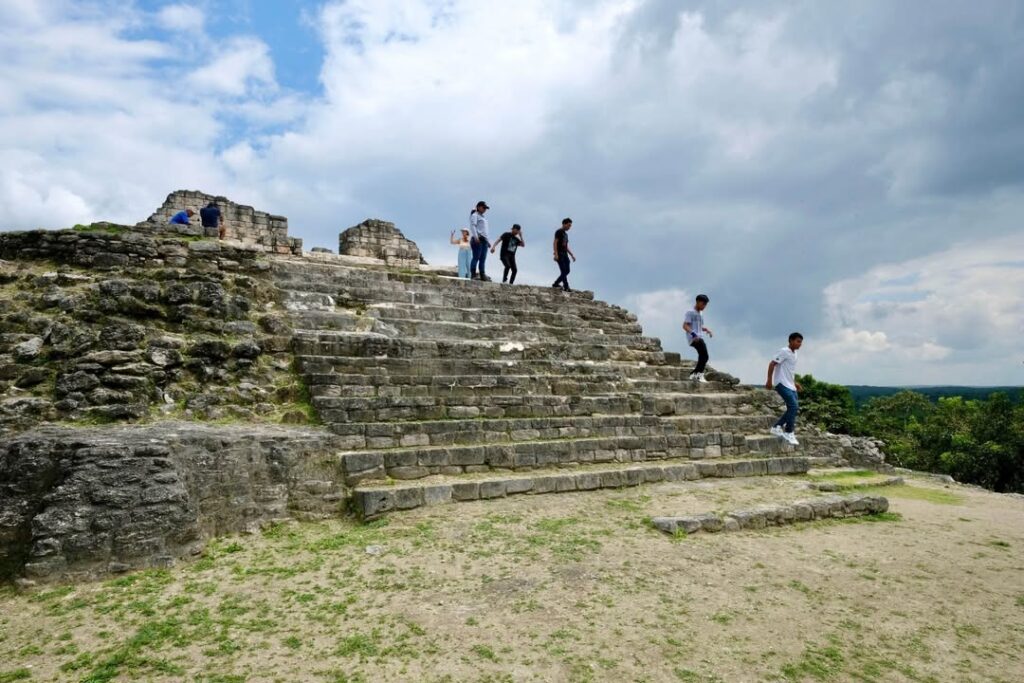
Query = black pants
x=508 y=259
x=702 y=355
x=563 y=266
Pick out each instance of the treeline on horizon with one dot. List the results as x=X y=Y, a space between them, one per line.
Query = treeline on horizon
x=976 y=439
x=862 y=393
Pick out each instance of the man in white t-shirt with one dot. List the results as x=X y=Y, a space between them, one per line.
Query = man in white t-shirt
x=782 y=377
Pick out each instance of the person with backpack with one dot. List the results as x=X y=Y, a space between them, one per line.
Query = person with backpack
x=693 y=325
x=479 y=240
x=510 y=241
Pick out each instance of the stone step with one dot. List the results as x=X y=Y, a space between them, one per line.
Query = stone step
x=769 y=444
x=355 y=294
x=415 y=462
x=373 y=499
x=479 y=404
x=502 y=316
x=357 y=385
x=524 y=332
x=316 y=364
x=383 y=435
x=371 y=344
x=388 y=409
x=487 y=366
x=305 y=276
x=304 y=271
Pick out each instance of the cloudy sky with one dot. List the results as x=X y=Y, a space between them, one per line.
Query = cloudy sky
x=854 y=171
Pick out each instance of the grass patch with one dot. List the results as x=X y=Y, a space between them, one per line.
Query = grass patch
x=106 y=228
x=841 y=476
x=15 y=675
x=819 y=663
x=484 y=652
x=937 y=496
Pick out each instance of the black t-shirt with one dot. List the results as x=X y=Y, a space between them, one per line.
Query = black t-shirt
x=562 y=241
x=509 y=243
x=210 y=216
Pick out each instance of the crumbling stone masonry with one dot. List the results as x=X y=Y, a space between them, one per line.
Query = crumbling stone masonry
x=380 y=240
x=244 y=224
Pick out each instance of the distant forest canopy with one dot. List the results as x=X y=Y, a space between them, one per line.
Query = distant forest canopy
x=862 y=393
x=976 y=435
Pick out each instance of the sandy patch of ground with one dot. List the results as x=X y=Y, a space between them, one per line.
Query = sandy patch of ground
x=561 y=588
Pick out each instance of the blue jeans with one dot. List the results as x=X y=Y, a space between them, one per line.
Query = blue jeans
x=480 y=245
x=464 y=256
x=788 y=420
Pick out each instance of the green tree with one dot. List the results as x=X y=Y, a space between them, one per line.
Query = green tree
x=896 y=420
x=828 y=406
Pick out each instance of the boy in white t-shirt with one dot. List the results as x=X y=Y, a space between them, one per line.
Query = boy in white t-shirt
x=693 y=325
x=782 y=377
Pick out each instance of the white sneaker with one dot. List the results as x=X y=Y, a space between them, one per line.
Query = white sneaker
x=700 y=378
x=790 y=438
x=776 y=431
x=695 y=376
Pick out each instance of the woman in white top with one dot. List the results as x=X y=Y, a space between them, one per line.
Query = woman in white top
x=465 y=252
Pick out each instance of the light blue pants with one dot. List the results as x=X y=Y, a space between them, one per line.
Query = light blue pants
x=464 y=257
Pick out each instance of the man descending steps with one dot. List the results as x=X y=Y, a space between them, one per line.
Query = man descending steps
x=563 y=253
x=693 y=325
x=782 y=376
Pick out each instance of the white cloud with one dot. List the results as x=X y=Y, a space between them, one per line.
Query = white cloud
x=241 y=64
x=756 y=152
x=183 y=17
x=955 y=316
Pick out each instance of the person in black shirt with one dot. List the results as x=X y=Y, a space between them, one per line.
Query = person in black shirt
x=510 y=241
x=211 y=218
x=563 y=253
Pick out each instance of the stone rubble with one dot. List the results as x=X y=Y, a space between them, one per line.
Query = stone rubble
x=774 y=515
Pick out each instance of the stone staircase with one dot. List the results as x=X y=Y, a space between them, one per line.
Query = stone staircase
x=443 y=390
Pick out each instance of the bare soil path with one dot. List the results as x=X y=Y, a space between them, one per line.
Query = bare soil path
x=561 y=588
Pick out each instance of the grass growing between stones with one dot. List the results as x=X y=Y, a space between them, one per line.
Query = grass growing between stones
x=905 y=492
x=556 y=588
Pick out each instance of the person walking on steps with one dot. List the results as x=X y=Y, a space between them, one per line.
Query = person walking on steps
x=510 y=241
x=563 y=253
x=693 y=325
x=782 y=377
x=465 y=251
x=479 y=240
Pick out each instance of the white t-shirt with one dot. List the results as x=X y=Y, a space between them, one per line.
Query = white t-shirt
x=785 y=368
x=478 y=226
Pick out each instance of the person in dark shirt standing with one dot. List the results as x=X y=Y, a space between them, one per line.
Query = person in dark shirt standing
x=211 y=218
x=563 y=253
x=510 y=241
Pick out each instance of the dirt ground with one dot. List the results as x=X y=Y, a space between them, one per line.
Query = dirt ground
x=561 y=588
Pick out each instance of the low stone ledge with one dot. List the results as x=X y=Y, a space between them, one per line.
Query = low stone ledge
x=372 y=501
x=774 y=515
x=76 y=503
x=831 y=486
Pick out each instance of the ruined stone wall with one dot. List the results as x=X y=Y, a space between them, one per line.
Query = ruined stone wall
x=244 y=224
x=80 y=503
x=380 y=240
x=118 y=325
